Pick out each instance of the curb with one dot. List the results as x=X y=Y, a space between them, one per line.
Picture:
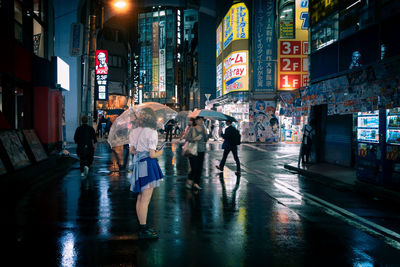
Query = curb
x=359 y=186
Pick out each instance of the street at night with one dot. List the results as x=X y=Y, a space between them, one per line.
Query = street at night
x=268 y=216
x=188 y=133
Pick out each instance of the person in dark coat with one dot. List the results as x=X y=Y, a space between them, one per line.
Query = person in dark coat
x=229 y=145
x=168 y=130
x=85 y=137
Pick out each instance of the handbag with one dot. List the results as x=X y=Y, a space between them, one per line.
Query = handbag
x=189 y=149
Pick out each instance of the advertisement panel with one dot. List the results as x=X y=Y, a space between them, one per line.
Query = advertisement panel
x=236 y=24
x=219 y=80
x=161 y=55
x=235 y=72
x=155 y=62
x=264 y=46
x=101 y=74
x=293 y=53
x=219 y=39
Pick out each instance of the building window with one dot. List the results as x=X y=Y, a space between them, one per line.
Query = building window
x=38 y=39
x=18 y=20
x=325 y=33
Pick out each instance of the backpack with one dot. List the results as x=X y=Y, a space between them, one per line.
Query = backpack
x=236 y=137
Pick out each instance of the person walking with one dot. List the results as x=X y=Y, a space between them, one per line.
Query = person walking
x=197 y=133
x=231 y=141
x=85 y=138
x=146 y=172
x=168 y=130
x=306 y=144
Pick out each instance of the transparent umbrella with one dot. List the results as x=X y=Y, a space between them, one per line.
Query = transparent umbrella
x=130 y=118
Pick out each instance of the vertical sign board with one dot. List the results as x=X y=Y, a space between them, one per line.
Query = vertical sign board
x=219 y=40
x=219 y=80
x=155 y=57
x=235 y=72
x=293 y=53
x=236 y=24
x=102 y=74
x=76 y=39
x=161 y=58
x=264 y=46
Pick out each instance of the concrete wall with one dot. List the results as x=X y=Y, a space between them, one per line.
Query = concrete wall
x=66 y=13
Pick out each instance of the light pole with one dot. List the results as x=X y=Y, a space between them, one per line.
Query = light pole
x=88 y=97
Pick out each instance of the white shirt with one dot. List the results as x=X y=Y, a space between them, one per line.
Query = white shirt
x=143 y=139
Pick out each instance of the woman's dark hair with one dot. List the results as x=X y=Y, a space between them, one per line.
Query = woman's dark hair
x=148 y=118
x=193 y=120
x=84 y=119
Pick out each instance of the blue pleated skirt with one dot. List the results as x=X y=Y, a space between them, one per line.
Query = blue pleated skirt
x=150 y=175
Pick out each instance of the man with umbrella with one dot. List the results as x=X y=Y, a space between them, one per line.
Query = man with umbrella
x=231 y=141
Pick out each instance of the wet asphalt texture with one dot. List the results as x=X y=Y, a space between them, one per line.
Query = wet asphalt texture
x=253 y=219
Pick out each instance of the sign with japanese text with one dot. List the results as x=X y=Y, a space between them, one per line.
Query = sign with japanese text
x=101 y=82
x=219 y=80
x=264 y=46
x=293 y=53
x=161 y=56
x=219 y=40
x=155 y=59
x=235 y=72
x=236 y=24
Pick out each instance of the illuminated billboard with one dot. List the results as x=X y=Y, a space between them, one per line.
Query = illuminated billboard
x=236 y=24
x=219 y=40
x=161 y=56
x=219 y=80
x=102 y=74
x=155 y=59
x=235 y=72
x=293 y=53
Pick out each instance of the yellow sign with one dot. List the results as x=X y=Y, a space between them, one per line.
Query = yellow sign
x=235 y=72
x=236 y=24
x=293 y=53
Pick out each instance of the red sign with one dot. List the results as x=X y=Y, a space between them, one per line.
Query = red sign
x=306 y=80
x=101 y=62
x=290 y=81
x=290 y=47
x=290 y=64
x=305 y=48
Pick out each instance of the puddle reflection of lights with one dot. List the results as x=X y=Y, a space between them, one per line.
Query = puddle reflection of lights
x=104 y=209
x=290 y=192
x=68 y=253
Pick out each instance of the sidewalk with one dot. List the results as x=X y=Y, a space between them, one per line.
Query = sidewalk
x=344 y=177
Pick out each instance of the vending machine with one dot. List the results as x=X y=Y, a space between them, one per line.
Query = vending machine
x=370 y=146
x=392 y=164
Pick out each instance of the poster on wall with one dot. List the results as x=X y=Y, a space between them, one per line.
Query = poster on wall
x=236 y=24
x=235 y=72
x=264 y=46
x=35 y=145
x=293 y=53
x=263 y=126
x=14 y=149
x=101 y=74
x=161 y=55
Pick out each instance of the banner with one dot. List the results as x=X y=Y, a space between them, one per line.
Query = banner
x=101 y=82
x=219 y=39
x=236 y=24
x=293 y=53
x=161 y=55
x=155 y=61
x=264 y=46
x=235 y=72
x=219 y=80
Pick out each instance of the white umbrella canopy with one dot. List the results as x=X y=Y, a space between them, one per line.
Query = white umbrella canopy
x=129 y=119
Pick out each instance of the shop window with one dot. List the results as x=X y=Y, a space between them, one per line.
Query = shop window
x=355 y=15
x=38 y=39
x=325 y=33
x=18 y=20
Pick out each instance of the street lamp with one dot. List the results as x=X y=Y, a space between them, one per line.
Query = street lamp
x=120 y=4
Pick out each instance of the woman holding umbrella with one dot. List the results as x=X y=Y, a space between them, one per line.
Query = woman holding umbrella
x=198 y=134
x=147 y=174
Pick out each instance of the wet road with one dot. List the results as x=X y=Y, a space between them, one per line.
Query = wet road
x=266 y=217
